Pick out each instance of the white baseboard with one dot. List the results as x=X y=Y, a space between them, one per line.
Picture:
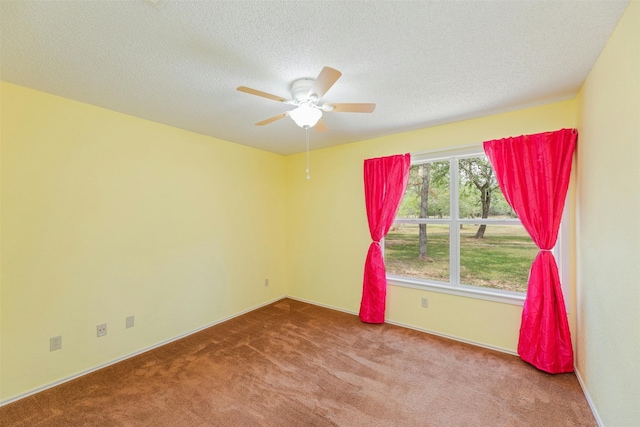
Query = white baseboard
x=322 y=305
x=454 y=338
x=404 y=325
x=586 y=395
x=120 y=359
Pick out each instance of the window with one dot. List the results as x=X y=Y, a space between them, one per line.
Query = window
x=456 y=233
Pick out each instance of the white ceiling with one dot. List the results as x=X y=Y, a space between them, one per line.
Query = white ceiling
x=422 y=62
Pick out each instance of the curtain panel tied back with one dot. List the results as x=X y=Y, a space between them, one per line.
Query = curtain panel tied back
x=385 y=181
x=533 y=173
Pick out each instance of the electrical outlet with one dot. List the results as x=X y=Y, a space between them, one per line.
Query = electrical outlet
x=266 y=282
x=55 y=343
x=102 y=329
x=425 y=302
x=130 y=321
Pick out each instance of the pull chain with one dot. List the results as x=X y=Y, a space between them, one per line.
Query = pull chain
x=307 y=131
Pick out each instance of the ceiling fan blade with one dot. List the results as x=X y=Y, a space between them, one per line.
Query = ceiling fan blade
x=353 y=108
x=262 y=94
x=272 y=119
x=327 y=77
x=321 y=126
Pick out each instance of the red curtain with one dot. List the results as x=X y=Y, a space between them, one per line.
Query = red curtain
x=385 y=180
x=533 y=173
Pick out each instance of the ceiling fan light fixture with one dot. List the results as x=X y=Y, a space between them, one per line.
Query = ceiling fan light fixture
x=305 y=116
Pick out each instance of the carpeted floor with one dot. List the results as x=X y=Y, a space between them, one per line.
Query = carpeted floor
x=296 y=364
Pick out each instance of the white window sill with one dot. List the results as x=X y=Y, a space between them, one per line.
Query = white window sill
x=506 y=297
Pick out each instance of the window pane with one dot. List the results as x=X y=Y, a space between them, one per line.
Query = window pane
x=500 y=260
x=403 y=255
x=427 y=194
x=480 y=195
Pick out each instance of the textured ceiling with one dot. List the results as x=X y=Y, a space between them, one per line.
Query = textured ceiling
x=422 y=62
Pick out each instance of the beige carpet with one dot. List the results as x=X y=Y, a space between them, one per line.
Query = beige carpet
x=296 y=364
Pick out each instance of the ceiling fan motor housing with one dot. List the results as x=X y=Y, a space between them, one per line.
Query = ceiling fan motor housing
x=300 y=90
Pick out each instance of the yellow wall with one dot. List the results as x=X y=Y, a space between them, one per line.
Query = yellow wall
x=327 y=234
x=106 y=216
x=608 y=227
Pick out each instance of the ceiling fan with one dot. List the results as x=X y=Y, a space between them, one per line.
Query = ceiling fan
x=306 y=94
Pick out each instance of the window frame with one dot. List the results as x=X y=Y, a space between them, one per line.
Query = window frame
x=453 y=287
